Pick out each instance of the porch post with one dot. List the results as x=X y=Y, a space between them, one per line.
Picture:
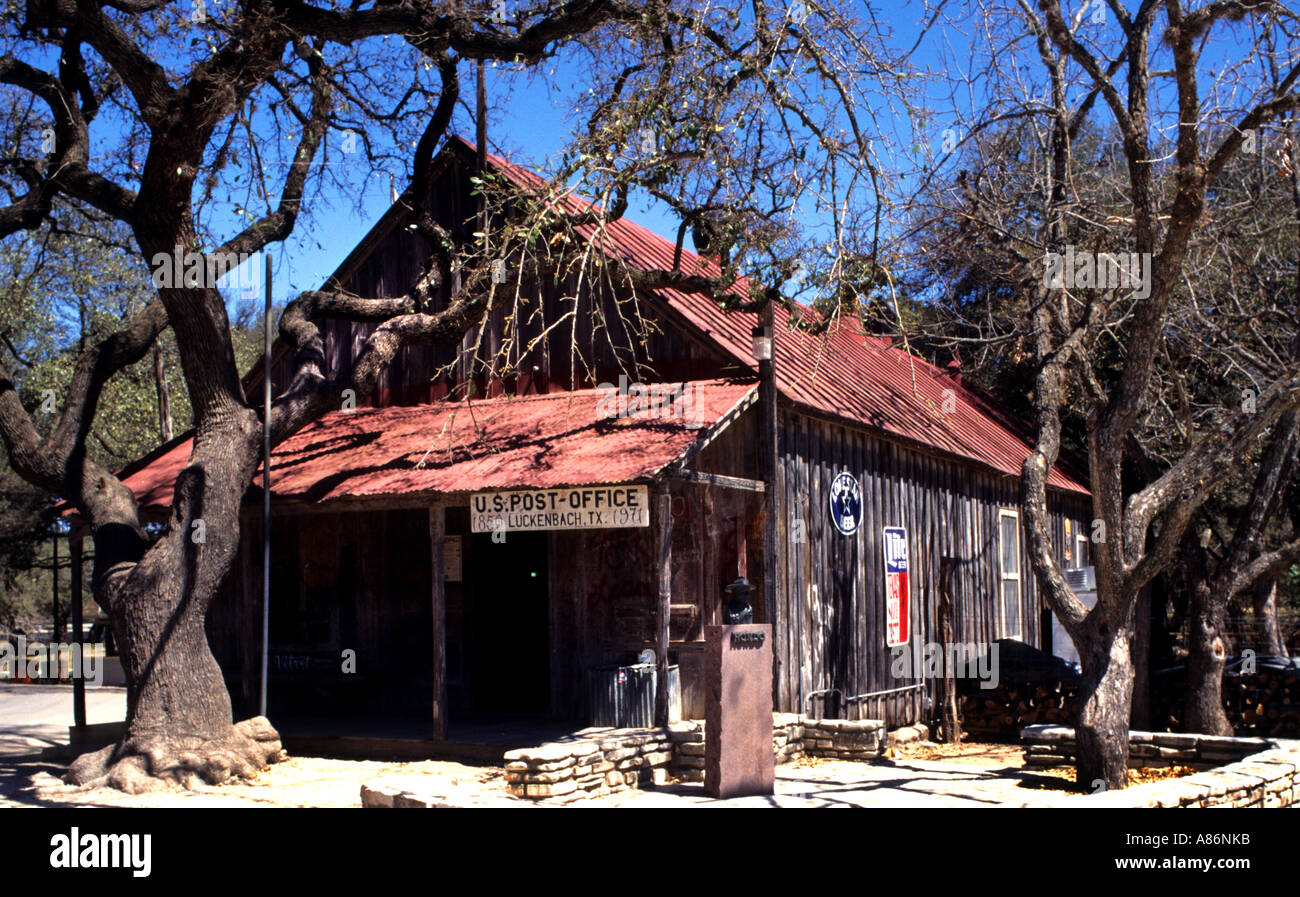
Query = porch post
x=662 y=519
x=437 y=590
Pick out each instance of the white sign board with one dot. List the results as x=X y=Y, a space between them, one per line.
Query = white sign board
x=577 y=507
x=898 y=611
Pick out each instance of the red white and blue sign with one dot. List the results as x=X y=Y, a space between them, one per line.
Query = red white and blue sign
x=897 y=610
x=846 y=503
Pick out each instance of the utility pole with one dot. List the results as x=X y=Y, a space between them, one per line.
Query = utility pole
x=266 y=484
x=765 y=355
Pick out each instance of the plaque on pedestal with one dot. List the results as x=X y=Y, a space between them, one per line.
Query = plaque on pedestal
x=738 y=711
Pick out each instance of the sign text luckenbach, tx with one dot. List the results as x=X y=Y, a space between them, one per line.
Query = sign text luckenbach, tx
x=577 y=507
x=897 y=612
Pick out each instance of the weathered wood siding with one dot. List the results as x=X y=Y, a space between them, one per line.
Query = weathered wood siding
x=831 y=605
x=603 y=590
x=350 y=581
x=358 y=579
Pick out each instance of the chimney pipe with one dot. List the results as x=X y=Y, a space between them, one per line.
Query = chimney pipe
x=954 y=370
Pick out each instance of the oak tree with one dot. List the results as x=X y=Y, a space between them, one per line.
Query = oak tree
x=1080 y=181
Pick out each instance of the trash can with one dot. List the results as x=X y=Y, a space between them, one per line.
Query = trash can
x=624 y=696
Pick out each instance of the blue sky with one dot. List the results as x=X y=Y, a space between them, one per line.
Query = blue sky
x=528 y=123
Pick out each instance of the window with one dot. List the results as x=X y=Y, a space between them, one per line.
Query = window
x=1082 y=551
x=1009 y=568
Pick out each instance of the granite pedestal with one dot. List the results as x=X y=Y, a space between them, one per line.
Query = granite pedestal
x=738 y=711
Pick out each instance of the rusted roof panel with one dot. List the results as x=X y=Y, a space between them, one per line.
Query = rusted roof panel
x=540 y=441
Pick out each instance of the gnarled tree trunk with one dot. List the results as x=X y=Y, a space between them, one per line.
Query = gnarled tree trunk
x=1105 y=693
x=1206 y=651
x=180 y=728
x=1208 y=601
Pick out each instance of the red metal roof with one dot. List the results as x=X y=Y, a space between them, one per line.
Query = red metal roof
x=540 y=441
x=847 y=373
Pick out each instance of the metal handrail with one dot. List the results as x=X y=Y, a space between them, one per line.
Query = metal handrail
x=807 y=701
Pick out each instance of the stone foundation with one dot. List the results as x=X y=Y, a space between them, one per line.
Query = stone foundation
x=843 y=739
x=908 y=735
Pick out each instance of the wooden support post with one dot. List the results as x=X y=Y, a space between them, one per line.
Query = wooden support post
x=78 y=631
x=54 y=602
x=663 y=530
x=712 y=610
x=438 y=598
x=951 y=727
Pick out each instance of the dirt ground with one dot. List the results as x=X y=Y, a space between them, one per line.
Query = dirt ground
x=1064 y=778
x=993 y=756
x=920 y=774
x=1011 y=756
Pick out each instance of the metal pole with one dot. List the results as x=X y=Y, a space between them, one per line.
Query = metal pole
x=54 y=593
x=266 y=483
x=480 y=119
x=75 y=537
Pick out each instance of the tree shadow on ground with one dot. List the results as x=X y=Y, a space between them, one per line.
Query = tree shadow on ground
x=16 y=773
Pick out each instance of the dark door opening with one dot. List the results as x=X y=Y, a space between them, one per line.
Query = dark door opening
x=508 y=617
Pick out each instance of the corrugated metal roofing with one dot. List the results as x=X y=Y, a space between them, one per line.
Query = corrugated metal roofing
x=540 y=441
x=848 y=373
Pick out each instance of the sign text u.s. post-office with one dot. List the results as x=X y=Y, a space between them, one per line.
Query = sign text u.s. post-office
x=577 y=507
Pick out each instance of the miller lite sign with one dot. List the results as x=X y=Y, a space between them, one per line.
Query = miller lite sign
x=897 y=611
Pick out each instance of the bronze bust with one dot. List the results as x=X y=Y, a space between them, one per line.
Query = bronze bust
x=738 y=609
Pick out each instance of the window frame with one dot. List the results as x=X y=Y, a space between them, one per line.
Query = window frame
x=1004 y=577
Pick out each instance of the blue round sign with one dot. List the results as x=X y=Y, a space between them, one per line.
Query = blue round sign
x=846 y=503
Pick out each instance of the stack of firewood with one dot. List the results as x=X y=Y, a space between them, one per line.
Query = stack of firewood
x=1263 y=704
x=1000 y=713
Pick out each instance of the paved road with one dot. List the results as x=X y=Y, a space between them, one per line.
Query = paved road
x=37 y=716
x=33 y=717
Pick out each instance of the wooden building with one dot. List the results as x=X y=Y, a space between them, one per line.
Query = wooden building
x=392 y=535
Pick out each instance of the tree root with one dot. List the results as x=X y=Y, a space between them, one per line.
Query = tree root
x=148 y=762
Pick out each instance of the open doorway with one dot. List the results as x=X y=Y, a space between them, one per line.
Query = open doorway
x=507 y=620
